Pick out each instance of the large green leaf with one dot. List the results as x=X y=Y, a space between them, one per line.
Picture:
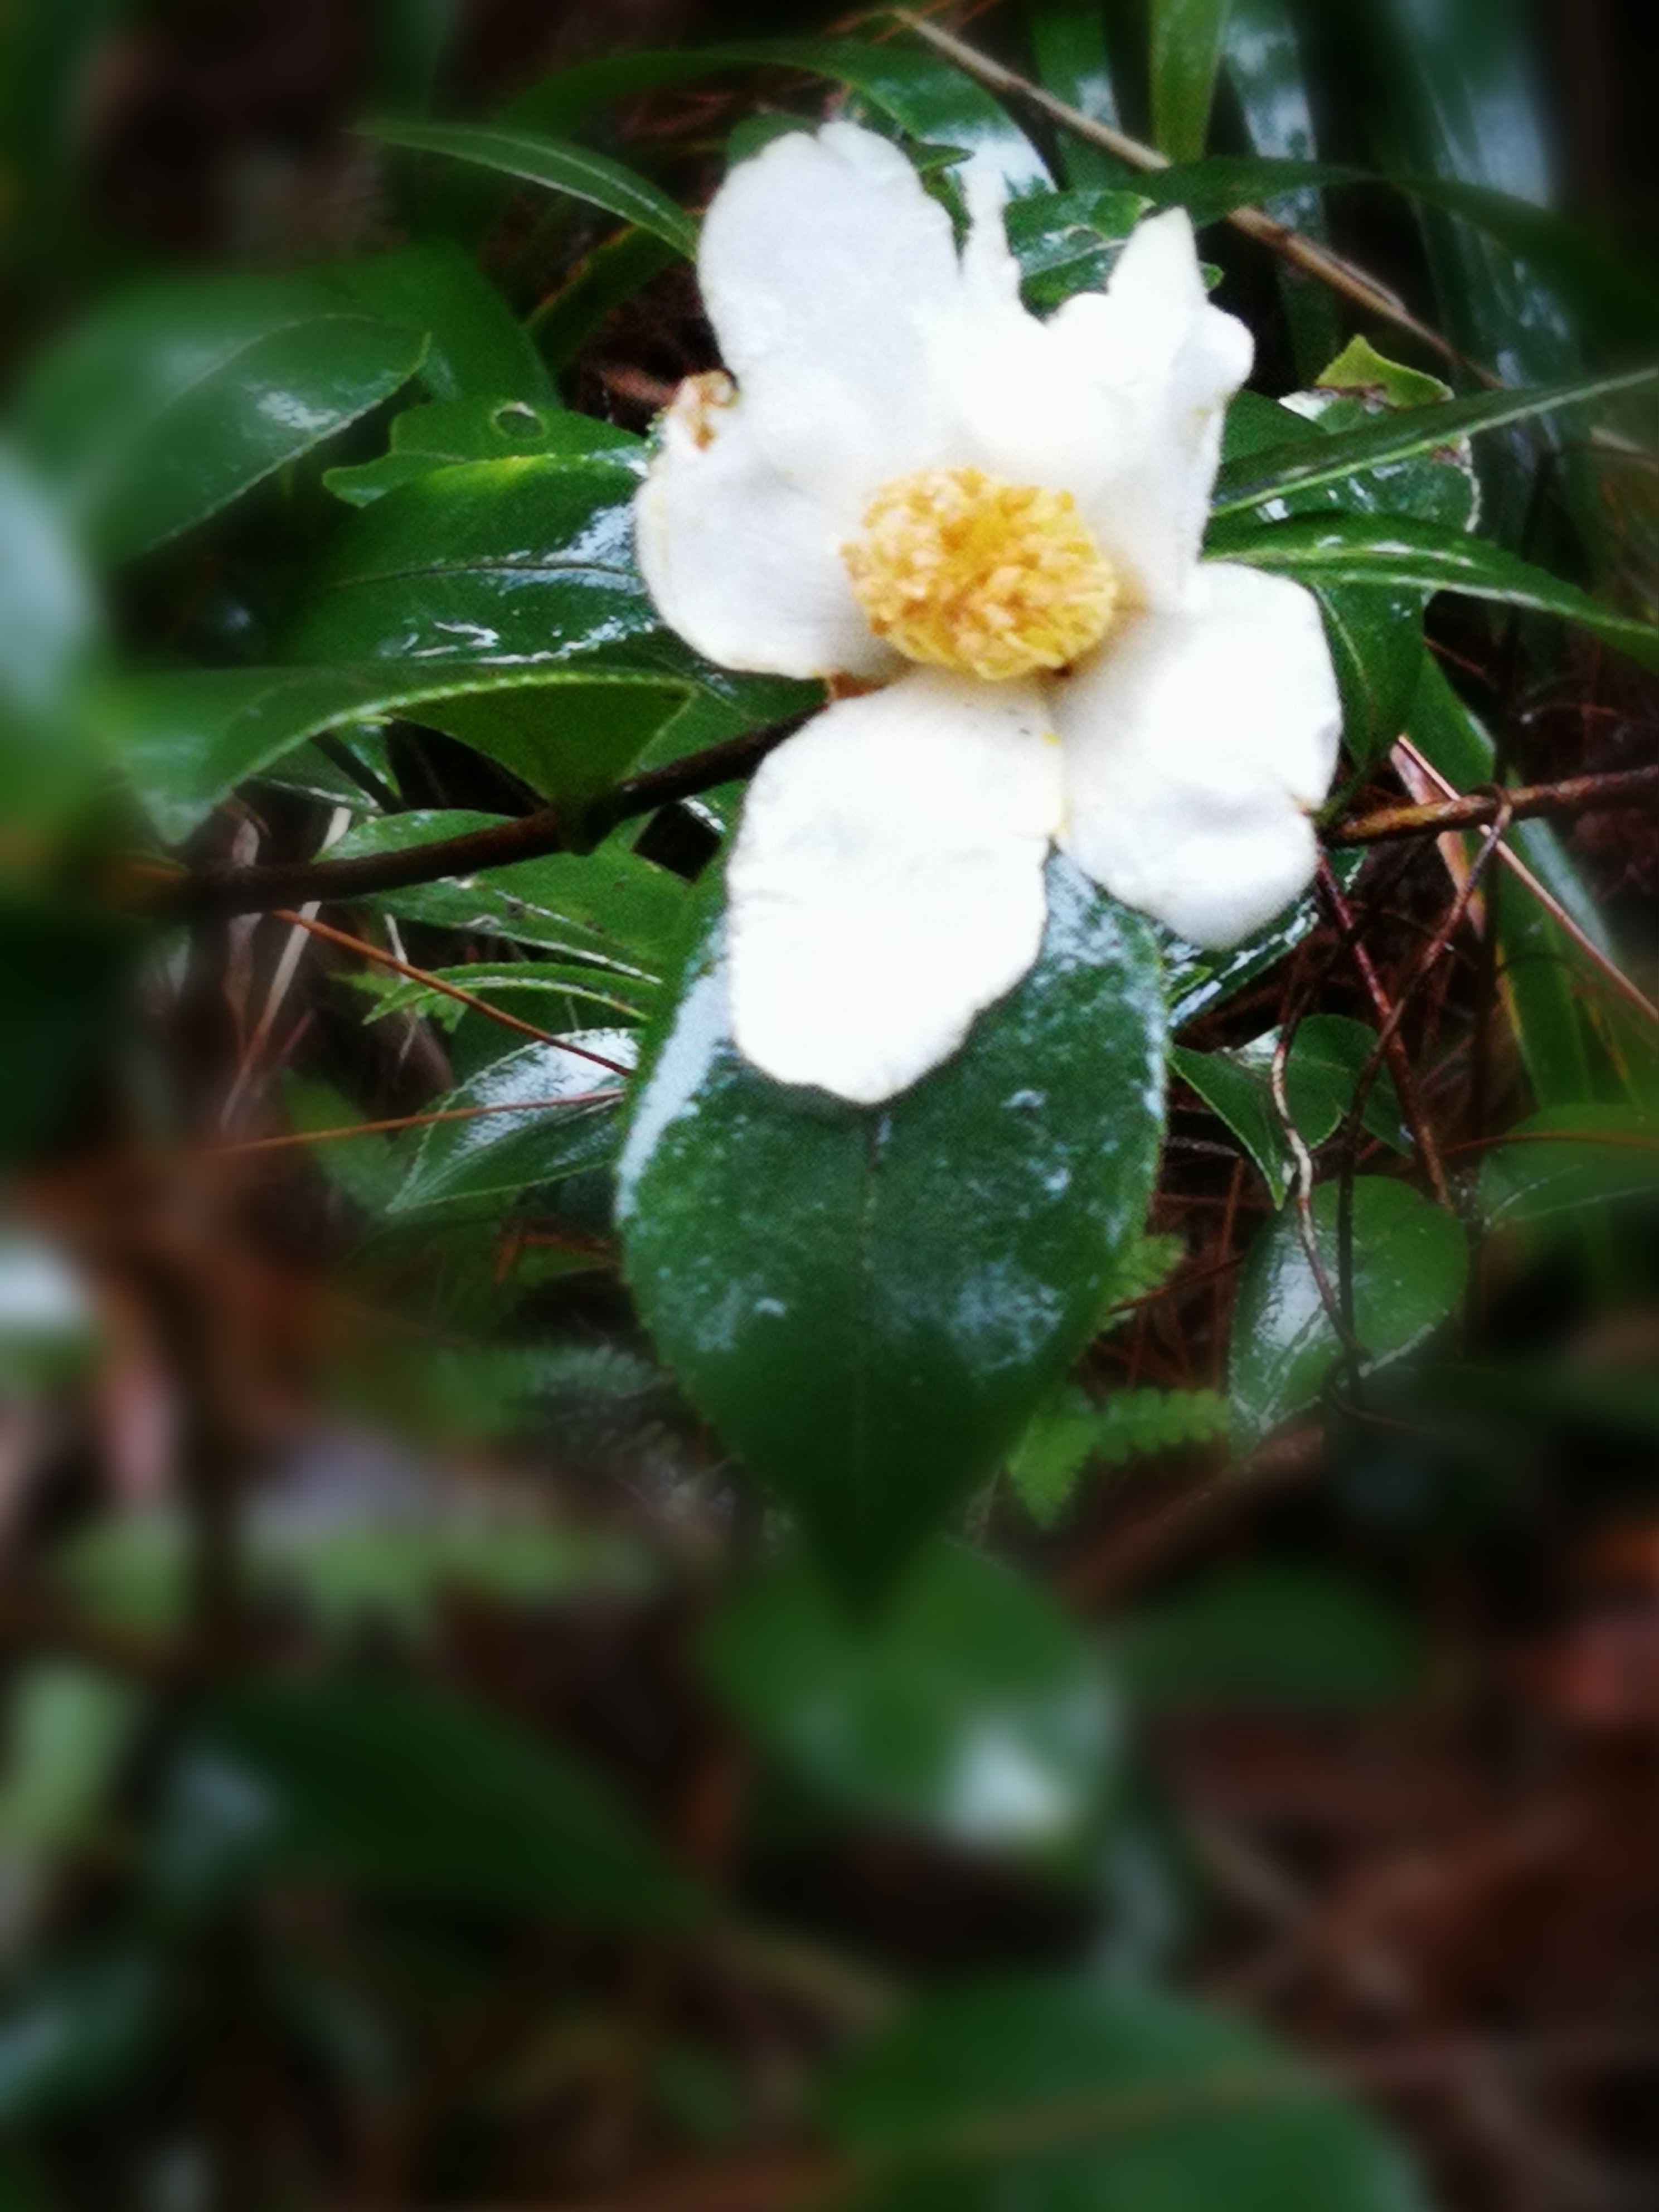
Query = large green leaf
x=49 y=630
x=1397 y=550
x=559 y=165
x=1263 y=65
x=74 y=2027
x=1055 y=2096
x=868 y=1305
x=164 y=408
x=972 y=1707
x=1186 y=53
x=1068 y=47
x=1239 y=1091
x=1409 y=1264
x=407 y=1790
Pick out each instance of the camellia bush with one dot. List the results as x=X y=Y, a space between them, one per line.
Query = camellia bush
x=775 y=892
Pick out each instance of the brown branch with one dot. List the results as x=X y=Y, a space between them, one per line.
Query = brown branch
x=1577 y=794
x=227 y=891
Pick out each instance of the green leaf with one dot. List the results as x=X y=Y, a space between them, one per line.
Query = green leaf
x=1263 y=65
x=163 y=409
x=1052 y=2095
x=1398 y=550
x=1046 y=1464
x=1198 y=981
x=1214 y=186
x=189 y=738
x=868 y=1305
x=1241 y=1093
x=477 y=347
x=1140 y=1424
x=1069 y=45
x=552 y=1111
x=571 y=316
x=556 y=163
x=486 y=430
x=1269 y=1636
x=1361 y=370
x=1398 y=435
x=1524 y=1183
x=1538 y=960
x=1069 y=243
x=1321 y=1071
x=406 y=1790
x=1409 y=1264
x=553 y=994
x=971 y=1707
x=1186 y=53
x=72 y=2029
x=928 y=99
x=49 y=628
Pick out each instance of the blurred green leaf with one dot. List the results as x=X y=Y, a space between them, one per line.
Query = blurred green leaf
x=1618 y=1159
x=560 y=165
x=1054 y=2095
x=1068 y=47
x=572 y=316
x=1071 y=1430
x=478 y=429
x=72 y=2028
x=1410 y=1261
x=50 y=1331
x=477 y=347
x=1263 y=63
x=410 y=38
x=972 y=1708
x=1269 y=1635
x=1186 y=54
x=566 y=1120
x=164 y=408
x=406 y=1790
x=868 y=1305
x=65 y=971
x=49 y=627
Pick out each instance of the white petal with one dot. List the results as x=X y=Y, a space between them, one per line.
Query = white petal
x=746 y=567
x=818 y=258
x=1195 y=745
x=887 y=881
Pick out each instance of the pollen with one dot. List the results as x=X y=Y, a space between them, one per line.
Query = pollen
x=960 y=570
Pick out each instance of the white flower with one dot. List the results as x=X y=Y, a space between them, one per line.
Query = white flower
x=916 y=484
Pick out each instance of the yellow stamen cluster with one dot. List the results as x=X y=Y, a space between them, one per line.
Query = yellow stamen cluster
x=960 y=570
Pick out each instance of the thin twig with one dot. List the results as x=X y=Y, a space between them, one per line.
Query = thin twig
x=1576 y=794
x=292 y=1138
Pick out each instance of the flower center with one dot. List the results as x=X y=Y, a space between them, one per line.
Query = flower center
x=957 y=568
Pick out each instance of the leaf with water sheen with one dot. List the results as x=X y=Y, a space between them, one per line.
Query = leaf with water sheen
x=491 y=429
x=557 y=163
x=867 y=1305
x=1409 y=1264
x=566 y=1121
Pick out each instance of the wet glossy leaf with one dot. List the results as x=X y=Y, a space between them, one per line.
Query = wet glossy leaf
x=1385 y=551
x=1186 y=53
x=554 y=994
x=972 y=1708
x=407 y=1790
x=1398 y=435
x=1068 y=242
x=484 y=429
x=1555 y=1175
x=552 y=1111
x=560 y=165
x=1198 y=981
x=1054 y=2095
x=1409 y=1264
x=868 y=1305
x=1269 y=1635
x=1263 y=65
x=165 y=409
x=187 y=739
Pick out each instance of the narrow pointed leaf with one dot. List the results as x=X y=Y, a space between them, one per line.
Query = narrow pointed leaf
x=556 y=163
